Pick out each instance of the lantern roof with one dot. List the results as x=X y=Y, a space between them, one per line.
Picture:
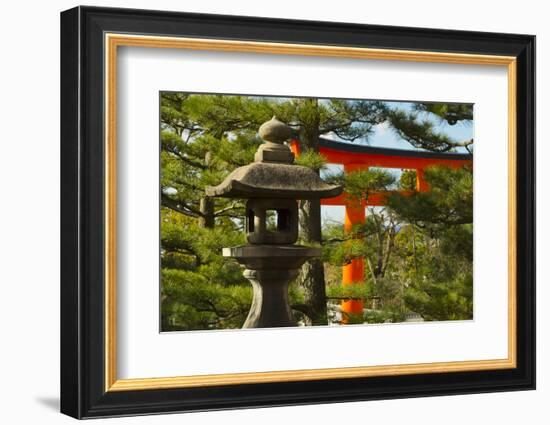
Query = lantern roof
x=270 y=180
x=273 y=174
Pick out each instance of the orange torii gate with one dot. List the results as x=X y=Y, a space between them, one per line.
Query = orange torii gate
x=360 y=157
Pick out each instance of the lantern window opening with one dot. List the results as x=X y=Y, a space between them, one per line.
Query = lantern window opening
x=250 y=220
x=277 y=220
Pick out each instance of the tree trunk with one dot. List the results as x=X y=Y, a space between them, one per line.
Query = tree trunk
x=206 y=207
x=390 y=242
x=206 y=203
x=312 y=276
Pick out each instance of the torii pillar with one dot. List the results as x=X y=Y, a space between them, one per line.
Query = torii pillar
x=354 y=272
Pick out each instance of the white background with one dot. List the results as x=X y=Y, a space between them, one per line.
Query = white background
x=144 y=72
x=29 y=225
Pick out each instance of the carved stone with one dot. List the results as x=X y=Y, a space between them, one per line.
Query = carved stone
x=270 y=180
x=286 y=221
x=275 y=131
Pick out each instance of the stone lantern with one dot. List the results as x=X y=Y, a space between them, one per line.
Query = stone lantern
x=272 y=184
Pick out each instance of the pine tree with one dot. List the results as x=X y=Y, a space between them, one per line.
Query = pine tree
x=200 y=288
x=440 y=223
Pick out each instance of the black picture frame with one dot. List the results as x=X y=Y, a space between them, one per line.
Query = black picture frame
x=83 y=392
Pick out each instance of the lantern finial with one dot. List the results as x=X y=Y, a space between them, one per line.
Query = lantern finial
x=275 y=131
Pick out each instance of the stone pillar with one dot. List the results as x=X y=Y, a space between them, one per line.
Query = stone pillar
x=270 y=269
x=270 y=306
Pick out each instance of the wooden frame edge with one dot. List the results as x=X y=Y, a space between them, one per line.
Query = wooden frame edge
x=114 y=40
x=137 y=384
x=110 y=212
x=512 y=212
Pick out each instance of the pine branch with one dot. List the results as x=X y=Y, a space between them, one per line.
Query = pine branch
x=422 y=134
x=228 y=208
x=185 y=159
x=180 y=207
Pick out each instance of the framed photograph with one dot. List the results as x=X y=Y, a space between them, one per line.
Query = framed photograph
x=261 y=212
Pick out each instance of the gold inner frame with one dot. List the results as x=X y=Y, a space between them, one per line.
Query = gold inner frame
x=113 y=41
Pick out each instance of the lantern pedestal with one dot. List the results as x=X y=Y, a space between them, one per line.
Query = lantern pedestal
x=270 y=269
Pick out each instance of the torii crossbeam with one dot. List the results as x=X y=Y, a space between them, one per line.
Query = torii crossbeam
x=360 y=157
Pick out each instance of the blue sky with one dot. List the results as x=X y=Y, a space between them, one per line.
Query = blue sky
x=384 y=137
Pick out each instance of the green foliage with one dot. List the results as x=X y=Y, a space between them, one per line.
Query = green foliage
x=312 y=159
x=417 y=127
x=442 y=300
x=358 y=184
x=200 y=288
x=382 y=316
x=450 y=112
x=419 y=133
x=351 y=120
x=456 y=241
x=191 y=302
x=407 y=180
x=359 y=290
x=448 y=202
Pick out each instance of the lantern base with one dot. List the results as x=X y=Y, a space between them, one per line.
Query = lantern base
x=270 y=269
